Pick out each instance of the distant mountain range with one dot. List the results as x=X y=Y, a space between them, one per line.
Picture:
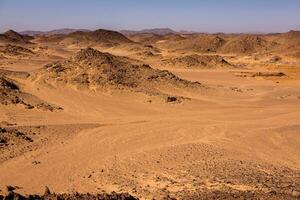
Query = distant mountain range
x=157 y=31
x=53 y=32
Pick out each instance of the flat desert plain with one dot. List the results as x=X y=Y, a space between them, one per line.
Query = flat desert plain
x=174 y=116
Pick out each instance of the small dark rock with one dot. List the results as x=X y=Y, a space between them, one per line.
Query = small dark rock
x=2 y=130
x=36 y=162
x=28 y=106
x=10 y=188
x=171 y=99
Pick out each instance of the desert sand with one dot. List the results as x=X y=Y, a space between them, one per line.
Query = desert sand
x=183 y=116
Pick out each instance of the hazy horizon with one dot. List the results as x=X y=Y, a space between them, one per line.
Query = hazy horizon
x=200 y=16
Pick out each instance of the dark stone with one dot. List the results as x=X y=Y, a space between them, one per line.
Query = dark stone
x=171 y=99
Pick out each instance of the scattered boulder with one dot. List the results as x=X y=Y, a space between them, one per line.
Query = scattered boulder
x=11 y=136
x=261 y=74
x=268 y=74
x=11 y=195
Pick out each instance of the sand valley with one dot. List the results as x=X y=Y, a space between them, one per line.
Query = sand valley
x=146 y=115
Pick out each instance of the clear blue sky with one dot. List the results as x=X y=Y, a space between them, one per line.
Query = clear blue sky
x=197 y=15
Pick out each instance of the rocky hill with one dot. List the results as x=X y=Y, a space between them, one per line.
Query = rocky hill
x=196 y=43
x=92 y=69
x=14 y=37
x=98 y=37
x=198 y=61
x=247 y=44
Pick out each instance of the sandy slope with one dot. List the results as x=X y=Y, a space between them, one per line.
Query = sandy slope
x=153 y=149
